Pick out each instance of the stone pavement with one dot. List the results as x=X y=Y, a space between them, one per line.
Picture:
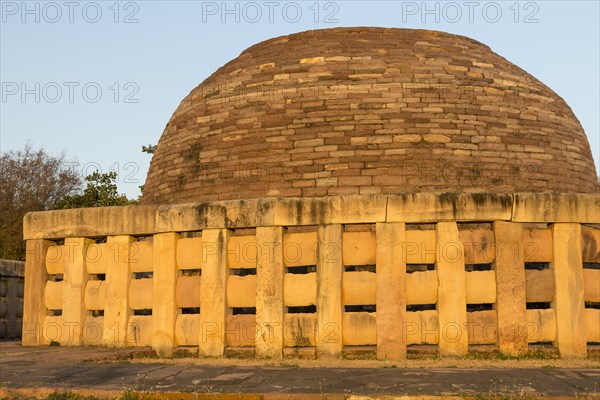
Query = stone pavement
x=83 y=368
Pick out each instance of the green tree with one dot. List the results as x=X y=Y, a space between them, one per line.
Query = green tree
x=30 y=180
x=150 y=149
x=101 y=191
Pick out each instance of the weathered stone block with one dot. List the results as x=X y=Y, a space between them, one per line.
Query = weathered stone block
x=359 y=248
x=218 y=214
x=329 y=291
x=391 y=292
x=188 y=291
x=330 y=210
x=359 y=329
x=537 y=245
x=213 y=309
x=141 y=256
x=189 y=253
x=92 y=330
x=482 y=327
x=270 y=271
x=568 y=303
x=300 y=330
x=141 y=294
x=300 y=249
x=139 y=331
x=90 y=222
x=422 y=327
x=95 y=295
x=590 y=243
x=300 y=289
x=118 y=277
x=242 y=252
x=422 y=287
x=73 y=292
x=539 y=286
x=359 y=288
x=510 y=288
x=53 y=331
x=56 y=257
x=479 y=245
x=556 y=207
x=96 y=257
x=541 y=326
x=429 y=207
x=480 y=287
x=591 y=285
x=241 y=291
x=419 y=247
x=241 y=330
x=187 y=329
x=53 y=295
x=452 y=304
x=592 y=324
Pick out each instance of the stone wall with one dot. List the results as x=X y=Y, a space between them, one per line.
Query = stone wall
x=11 y=298
x=368 y=111
x=320 y=277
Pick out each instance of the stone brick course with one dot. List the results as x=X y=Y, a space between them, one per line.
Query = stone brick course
x=415 y=110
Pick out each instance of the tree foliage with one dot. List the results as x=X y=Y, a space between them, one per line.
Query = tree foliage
x=30 y=180
x=150 y=149
x=101 y=191
x=34 y=180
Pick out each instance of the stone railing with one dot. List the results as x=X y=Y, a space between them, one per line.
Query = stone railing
x=319 y=276
x=11 y=298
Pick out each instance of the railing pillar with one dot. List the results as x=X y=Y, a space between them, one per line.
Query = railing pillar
x=118 y=278
x=164 y=308
x=75 y=280
x=329 y=291
x=213 y=302
x=452 y=301
x=511 y=306
x=391 y=291
x=269 y=292
x=568 y=304
x=34 y=304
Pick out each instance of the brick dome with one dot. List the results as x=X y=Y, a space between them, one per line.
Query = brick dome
x=368 y=110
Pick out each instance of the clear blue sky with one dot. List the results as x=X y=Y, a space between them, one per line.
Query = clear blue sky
x=169 y=47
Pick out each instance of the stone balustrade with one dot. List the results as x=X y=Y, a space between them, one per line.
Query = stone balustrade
x=11 y=298
x=318 y=277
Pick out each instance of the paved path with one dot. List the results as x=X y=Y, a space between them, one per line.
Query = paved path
x=70 y=368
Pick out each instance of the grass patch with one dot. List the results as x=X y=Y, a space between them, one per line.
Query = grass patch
x=129 y=395
x=282 y=364
x=525 y=396
x=290 y=365
x=532 y=354
x=69 y=396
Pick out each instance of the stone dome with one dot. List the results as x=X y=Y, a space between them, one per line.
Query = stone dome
x=368 y=110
